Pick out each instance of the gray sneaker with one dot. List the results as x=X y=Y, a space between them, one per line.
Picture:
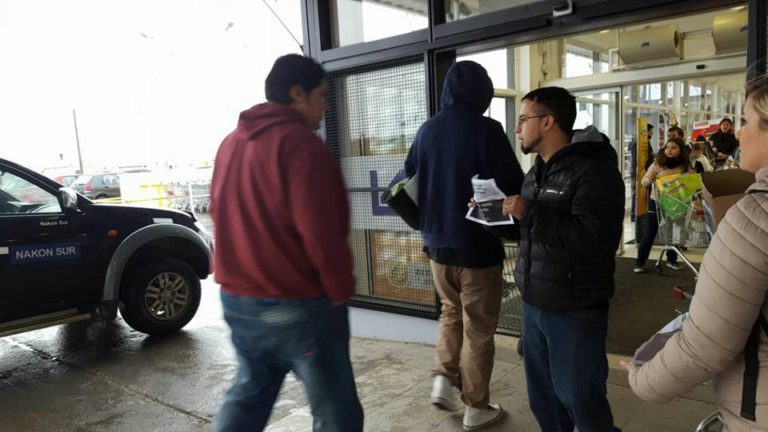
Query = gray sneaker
x=639 y=269
x=478 y=418
x=673 y=266
x=442 y=394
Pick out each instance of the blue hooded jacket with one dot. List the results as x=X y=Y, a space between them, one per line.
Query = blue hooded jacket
x=448 y=150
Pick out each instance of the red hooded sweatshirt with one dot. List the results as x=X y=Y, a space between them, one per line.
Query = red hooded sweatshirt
x=280 y=211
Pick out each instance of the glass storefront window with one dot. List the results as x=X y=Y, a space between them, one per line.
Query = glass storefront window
x=598 y=110
x=581 y=62
x=695 y=98
x=378 y=111
x=460 y=9
x=684 y=102
x=356 y=21
x=495 y=62
x=650 y=94
x=372 y=119
x=726 y=102
x=498 y=111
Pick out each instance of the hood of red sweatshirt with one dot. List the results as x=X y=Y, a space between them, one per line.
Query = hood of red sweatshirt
x=263 y=117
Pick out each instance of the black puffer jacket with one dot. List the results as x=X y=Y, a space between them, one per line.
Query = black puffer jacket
x=572 y=227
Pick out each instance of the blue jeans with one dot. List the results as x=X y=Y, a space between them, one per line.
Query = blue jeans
x=273 y=337
x=649 y=236
x=566 y=369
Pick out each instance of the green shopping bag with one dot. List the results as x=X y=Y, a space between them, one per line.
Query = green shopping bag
x=675 y=194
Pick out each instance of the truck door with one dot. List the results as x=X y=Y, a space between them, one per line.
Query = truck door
x=45 y=252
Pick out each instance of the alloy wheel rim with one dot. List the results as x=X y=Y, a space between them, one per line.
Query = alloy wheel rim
x=167 y=296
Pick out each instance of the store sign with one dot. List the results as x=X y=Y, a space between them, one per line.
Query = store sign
x=369 y=172
x=377 y=208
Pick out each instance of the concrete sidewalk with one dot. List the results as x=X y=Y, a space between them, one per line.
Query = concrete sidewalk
x=95 y=376
x=394 y=385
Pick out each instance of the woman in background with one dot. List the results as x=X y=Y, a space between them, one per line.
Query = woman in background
x=671 y=159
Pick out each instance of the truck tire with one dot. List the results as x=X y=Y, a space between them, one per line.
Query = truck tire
x=162 y=297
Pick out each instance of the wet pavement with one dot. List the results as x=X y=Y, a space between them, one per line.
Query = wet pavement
x=96 y=376
x=104 y=376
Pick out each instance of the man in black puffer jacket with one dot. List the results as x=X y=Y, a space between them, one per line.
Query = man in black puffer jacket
x=571 y=210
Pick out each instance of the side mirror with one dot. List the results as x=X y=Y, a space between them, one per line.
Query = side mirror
x=68 y=198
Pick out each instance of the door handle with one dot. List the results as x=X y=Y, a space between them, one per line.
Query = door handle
x=563 y=9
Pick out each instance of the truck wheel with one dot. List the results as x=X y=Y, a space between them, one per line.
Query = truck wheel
x=162 y=297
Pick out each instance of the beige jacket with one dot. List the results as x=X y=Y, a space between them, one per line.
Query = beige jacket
x=730 y=294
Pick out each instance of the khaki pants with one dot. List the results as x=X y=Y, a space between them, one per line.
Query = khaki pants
x=471 y=301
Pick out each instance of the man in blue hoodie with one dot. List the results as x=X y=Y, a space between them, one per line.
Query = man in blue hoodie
x=466 y=259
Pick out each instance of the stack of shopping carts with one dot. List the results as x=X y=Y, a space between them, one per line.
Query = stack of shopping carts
x=191 y=196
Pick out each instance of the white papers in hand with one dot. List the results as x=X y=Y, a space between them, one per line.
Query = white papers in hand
x=653 y=345
x=490 y=203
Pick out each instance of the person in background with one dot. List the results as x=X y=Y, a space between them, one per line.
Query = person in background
x=672 y=159
x=724 y=142
x=676 y=132
x=281 y=217
x=465 y=258
x=725 y=338
x=699 y=161
x=736 y=155
x=633 y=167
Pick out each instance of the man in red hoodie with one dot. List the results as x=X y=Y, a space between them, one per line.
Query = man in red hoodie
x=281 y=218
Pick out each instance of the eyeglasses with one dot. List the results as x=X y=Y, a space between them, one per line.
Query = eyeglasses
x=522 y=119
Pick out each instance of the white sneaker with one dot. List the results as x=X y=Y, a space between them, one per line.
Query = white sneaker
x=639 y=269
x=478 y=418
x=673 y=266
x=442 y=394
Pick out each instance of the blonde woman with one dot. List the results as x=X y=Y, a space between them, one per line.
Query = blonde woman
x=730 y=300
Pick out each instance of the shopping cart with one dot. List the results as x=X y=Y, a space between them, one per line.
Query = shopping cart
x=714 y=421
x=191 y=196
x=681 y=217
x=511 y=299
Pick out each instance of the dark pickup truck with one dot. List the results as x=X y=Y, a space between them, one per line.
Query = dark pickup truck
x=64 y=258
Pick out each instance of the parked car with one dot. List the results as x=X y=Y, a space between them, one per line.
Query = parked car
x=64 y=258
x=66 y=180
x=98 y=186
